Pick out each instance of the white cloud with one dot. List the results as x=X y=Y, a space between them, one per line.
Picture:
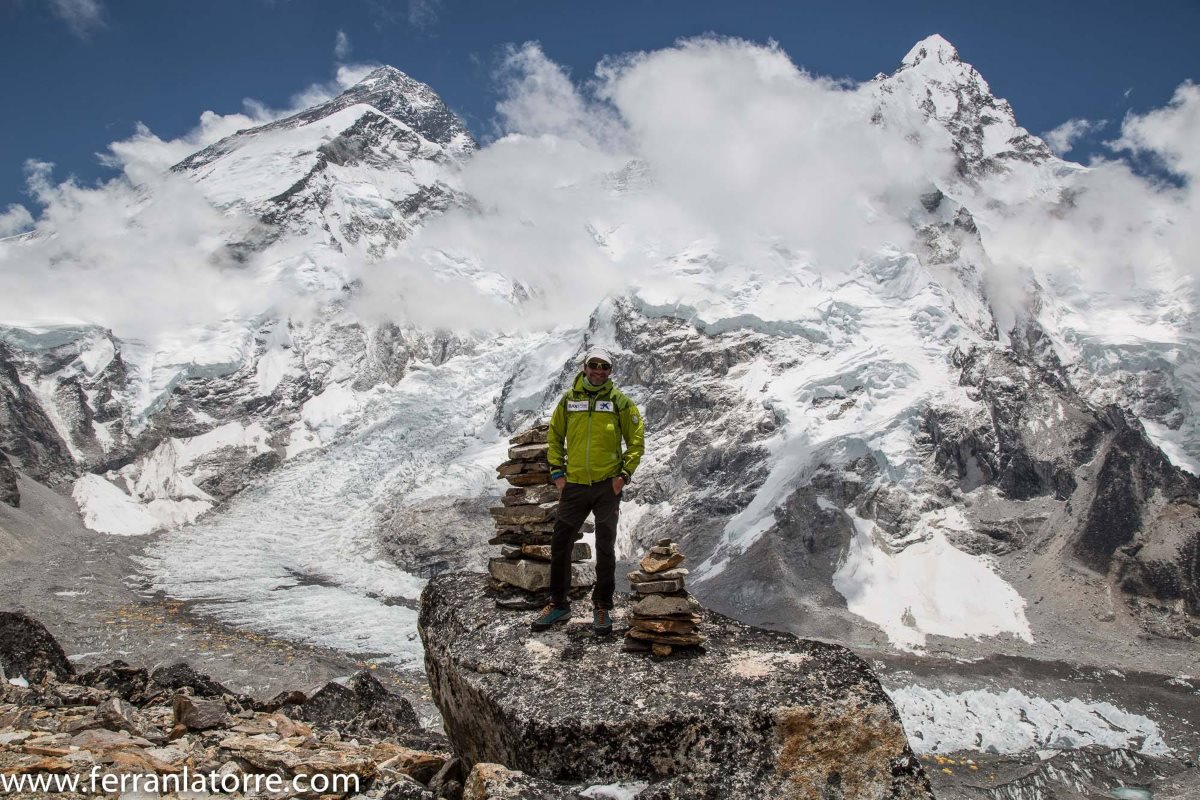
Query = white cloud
x=1062 y=139
x=1171 y=133
x=423 y=14
x=735 y=154
x=140 y=259
x=1120 y=235
x=15 y=219
x=341 y=46
x=748 y=156
x=81 y=16
x=144 y=253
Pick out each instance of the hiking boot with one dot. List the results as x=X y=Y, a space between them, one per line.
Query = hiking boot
x=602 y=621
x=551 y=615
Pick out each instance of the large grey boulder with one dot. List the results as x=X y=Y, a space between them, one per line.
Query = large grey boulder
x=759 y=714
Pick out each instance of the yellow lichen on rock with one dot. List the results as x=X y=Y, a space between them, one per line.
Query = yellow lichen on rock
x=838 y=745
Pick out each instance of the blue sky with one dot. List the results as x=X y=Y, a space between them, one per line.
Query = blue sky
x=82 y=73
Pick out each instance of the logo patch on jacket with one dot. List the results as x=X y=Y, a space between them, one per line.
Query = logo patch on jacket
x=577 y=405
x=604 y=405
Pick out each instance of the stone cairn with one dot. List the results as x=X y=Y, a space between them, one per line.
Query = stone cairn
x=665 y=617
x=525 y=524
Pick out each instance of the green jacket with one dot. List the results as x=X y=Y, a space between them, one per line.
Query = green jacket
x=591 y=422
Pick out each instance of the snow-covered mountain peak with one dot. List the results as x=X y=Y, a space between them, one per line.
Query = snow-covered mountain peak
x=953 y=96
x=401 y=97
x=935 y=48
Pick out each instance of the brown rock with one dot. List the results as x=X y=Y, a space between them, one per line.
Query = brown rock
x=523 y=515
x=530 y=495
x=45 y=750
x=284 y=698
x=199 y=715
x=519 y=537
x=261 y=752
x=580 y=551
x=632 y=645
x=101 y=740
x=528 y=478
x=653 y=563
x=534 y=435
x=674 y=639
x=529 y=452
x=117 y=715
x=658 y=605
x=510 y=468
x=534 y=576
x=140 y=761
x=661 y=650
x=56 y=765
x=287 y=727
x=498 y=782
x=637 y=576
x=659 y=587
x=662 y=625
x=417 y=763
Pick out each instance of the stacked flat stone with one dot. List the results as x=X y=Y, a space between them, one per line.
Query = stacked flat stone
x=665 y=617
x=525 y=520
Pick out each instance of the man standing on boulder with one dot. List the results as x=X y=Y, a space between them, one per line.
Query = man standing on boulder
x=587 y=465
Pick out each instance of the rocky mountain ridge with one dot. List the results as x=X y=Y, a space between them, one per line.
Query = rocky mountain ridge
x=894 y=456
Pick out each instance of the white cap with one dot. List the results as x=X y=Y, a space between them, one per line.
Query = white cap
x=595 y=351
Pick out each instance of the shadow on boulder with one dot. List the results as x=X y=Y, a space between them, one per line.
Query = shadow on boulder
x=28 y=649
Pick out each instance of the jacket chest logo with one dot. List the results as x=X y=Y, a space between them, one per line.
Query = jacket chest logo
x=577 y=405
x=604 y=405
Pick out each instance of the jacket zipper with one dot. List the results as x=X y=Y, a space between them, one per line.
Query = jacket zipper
x=587 y=448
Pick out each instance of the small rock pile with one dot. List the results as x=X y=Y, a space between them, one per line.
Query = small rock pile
x=665 y=617
x=525 y=524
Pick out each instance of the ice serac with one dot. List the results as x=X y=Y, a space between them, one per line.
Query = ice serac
x=758 y=715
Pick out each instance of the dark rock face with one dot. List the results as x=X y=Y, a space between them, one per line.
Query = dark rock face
x=759 y=715
x=179 y=676
x=122 y=679
x=26 y=433
x=28 y=649
x=8 y=483
x=1122 y=508
x=363 y=705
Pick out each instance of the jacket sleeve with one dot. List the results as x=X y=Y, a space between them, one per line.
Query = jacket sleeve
x=635 y=438
x=555 y=438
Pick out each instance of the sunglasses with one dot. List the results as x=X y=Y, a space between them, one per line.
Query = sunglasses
x=599 y=365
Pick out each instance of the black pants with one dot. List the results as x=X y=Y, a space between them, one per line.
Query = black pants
x=577 y=501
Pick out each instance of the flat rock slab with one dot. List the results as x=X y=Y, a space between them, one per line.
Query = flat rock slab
x=534 y=576
x=760 y=714
x=528 y=452
x=531 y=436
x=530 y=495
x=523 y=515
